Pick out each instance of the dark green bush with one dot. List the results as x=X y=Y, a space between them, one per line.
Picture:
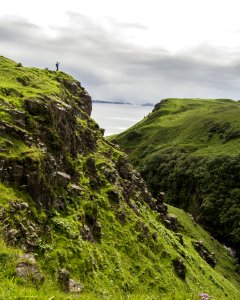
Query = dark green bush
x=133 y=135
x=208 y=187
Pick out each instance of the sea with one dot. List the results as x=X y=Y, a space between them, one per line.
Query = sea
x=115 y=118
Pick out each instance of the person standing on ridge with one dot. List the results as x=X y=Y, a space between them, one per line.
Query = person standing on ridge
x=57 y=65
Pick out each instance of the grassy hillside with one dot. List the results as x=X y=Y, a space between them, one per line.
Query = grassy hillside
x=72 y=206
x=203 y=127
x=190 y=148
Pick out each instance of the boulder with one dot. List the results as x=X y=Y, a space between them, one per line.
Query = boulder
x=179 y=268
x=159 y=204
x=10 y=235
x=74 y=286
x=86 y=233
x=63 y=279
x=67 y=284
x=205 y=254
x=27 y=269
x=171 y=222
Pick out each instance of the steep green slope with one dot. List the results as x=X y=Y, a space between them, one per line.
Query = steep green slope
x=72 y=206
x=201 y=126
x=190 y=148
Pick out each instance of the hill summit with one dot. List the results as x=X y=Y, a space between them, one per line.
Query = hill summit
x=77 y=220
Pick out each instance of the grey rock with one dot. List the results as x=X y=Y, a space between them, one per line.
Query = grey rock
x=63 y=279
x=12 y=130
x=67 y=284
x=159 y=204
x=27 y=269
x=64 y=175
x=205 y=254
x=86 y=233
x=62 y=178
x=28 y=259
x=76 y=187
x=18 y=116
x=74 y=286
x=171 y=222
x=10 y=235
x=180 y=268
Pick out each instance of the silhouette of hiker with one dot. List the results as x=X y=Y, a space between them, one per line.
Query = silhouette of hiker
x=57 y=65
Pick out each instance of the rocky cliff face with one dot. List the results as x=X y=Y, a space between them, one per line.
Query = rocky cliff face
x=72 y=202
x=62 y=153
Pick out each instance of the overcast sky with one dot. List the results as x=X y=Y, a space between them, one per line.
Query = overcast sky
x=132 y=50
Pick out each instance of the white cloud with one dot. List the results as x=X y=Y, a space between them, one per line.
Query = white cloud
x=133 y=50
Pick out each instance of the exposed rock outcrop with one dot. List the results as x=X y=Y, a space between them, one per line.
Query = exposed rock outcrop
x=67 y=284
x=205 y=254
x=180 y=268
x=27 y=269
